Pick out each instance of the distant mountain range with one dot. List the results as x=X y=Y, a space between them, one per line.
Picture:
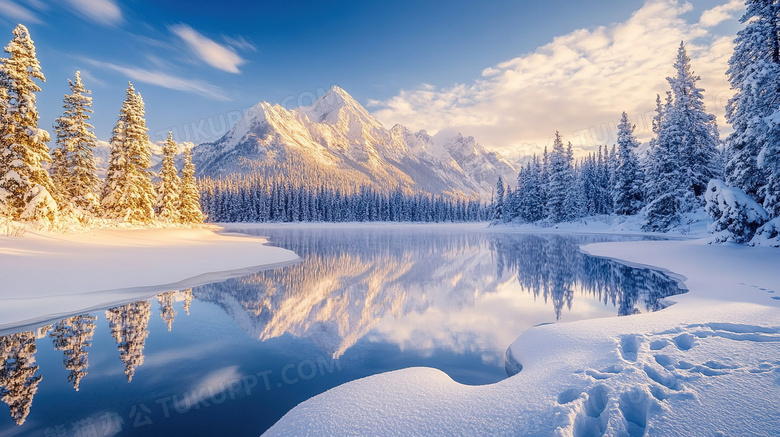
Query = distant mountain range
x=337 y=140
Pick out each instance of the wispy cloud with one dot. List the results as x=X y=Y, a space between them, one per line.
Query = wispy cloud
x=579 y=84
x=215 y=54
x=240 y=43
x=103 y=12
x=718 y=14
x=165 y=80
x=17 y=12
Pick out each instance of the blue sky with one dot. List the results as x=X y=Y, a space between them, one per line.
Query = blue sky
x=199 y=64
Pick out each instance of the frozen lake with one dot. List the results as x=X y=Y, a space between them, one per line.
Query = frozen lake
x=231 y=358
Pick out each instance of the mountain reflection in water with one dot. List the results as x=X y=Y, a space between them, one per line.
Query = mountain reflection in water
x=367 y=295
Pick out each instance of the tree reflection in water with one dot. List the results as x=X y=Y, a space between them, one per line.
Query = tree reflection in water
x=348 y=281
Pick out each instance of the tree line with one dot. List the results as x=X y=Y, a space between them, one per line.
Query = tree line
x=255 y=198
x=70 y=188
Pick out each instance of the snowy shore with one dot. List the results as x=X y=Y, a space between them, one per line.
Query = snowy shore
x=708 y=365
x=63 y=274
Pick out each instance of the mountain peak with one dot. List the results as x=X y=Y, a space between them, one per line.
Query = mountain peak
x=328 y=107
x=336 y=90
x=335 y=98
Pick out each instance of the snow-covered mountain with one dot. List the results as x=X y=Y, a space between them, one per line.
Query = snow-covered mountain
x=336 y=139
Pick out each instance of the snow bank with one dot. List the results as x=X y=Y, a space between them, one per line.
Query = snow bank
x=768 y=235
x=736 y=216
x=709 y=365
x=50 y=276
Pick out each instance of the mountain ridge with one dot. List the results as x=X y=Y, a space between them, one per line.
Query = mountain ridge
x=336 y=138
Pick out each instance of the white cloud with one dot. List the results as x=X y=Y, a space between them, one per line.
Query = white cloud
x=103 y=12
x=17 y=12
x=577 y=84
x=211 y=52
x=165 y=80
x=718 y=14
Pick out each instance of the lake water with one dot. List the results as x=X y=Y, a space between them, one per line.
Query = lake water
x=231 y=358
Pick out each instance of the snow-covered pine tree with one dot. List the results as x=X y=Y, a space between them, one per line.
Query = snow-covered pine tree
x=168 y=189
x=129 y=194
x=509 y=205
x=111 y=198
x=683 y=156
x=650 y=164
x=25 y=186
x=189 y=196
x=498 y=202
x=529 y=188
x=754 y=74
x=73 y=165
x=769 y=161
x=560 y=181
x=141 y=194
x=736 y=216
x=665 y=184
x=627 y=191
x=699 y=141
x=60 y=176
x=574 y=203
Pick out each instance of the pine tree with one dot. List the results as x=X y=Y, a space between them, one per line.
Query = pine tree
x=560 y=181
x=112 y=198
x=664 y=173
x=73 y=165
x=189 y=198
x=25 y=186
x=129 y=194
x=699 y=141
x=665 y=186
x=650 y=165
x=573 y=203
x=769 y=161
x=60 y=176
x=754 y=74
x=498 y=203
x=170 y=184
x=627 y=191
x=683 y=157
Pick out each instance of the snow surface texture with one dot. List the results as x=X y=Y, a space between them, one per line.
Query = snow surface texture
x=709 y=365
x=48 y=276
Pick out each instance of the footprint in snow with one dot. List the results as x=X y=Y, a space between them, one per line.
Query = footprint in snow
x=684 y=341
x=589 y=421
x=629 y=346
